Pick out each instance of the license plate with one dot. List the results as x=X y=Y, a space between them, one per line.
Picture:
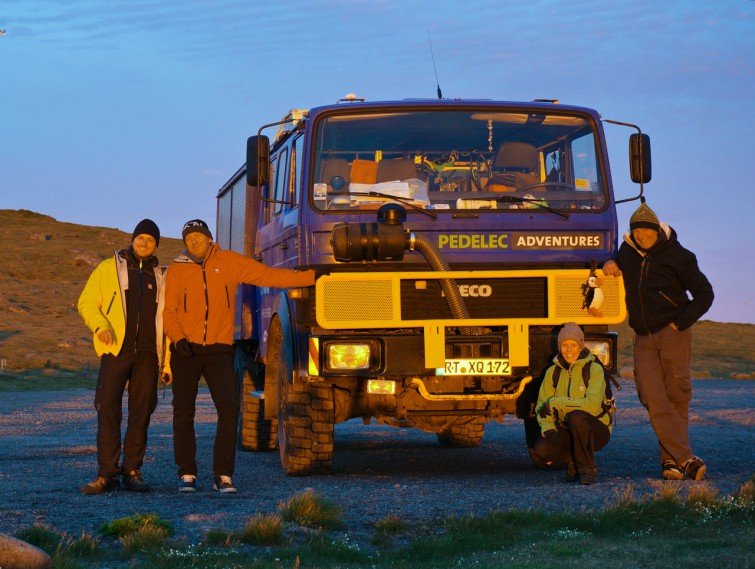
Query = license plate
x=475 y=366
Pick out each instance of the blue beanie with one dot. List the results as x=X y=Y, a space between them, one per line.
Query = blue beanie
x=147 y=227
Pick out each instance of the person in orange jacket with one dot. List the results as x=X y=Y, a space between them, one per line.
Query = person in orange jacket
x=200 y=298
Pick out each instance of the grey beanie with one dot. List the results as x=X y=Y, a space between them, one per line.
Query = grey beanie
x=644 y=217
x=571 y=331
x=195 y=226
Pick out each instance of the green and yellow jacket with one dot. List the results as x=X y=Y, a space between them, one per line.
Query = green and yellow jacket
x=571 y=393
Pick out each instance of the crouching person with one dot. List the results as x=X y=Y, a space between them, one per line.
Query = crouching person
x=570 y=410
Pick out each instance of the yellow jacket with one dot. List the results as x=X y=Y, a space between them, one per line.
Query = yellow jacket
x=101 y=305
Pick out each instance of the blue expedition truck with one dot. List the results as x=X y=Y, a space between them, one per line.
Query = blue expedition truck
x=452 y=239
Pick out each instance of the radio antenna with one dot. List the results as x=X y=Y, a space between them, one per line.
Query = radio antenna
x=437 y=83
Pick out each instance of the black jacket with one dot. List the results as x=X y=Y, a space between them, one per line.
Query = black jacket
x=141 y=303
x=657 y=281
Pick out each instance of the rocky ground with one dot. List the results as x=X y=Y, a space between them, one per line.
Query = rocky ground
x=47 y=452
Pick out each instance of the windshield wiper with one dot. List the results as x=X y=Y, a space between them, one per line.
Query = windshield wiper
x=407 y=201
x=538 y=203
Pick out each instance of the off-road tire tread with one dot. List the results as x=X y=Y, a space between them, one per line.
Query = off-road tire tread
x=255 y=432
x=309 y=418
x=463 y=434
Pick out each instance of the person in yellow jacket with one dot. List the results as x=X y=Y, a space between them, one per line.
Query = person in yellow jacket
x=200 y=300
x=573 y=419
x=122 y=304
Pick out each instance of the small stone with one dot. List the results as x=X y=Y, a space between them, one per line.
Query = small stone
x=17 y=554
x=86 y=260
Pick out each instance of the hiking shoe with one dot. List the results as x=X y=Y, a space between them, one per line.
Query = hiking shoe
x=587 y=479
x=694 y=469
x=188 y=483
x=670 y=471
x=224 y=484
x=100 y=485
x=571 y=473
x=133 y=482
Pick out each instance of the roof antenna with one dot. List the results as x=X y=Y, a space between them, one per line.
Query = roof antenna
x=437 y=84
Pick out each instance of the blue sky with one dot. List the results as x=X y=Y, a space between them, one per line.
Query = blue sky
x=113 y=111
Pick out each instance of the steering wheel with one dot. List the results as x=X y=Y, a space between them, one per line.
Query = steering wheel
x=477 y=165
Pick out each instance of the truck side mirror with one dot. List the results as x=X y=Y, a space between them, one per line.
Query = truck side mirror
x=639 y=158
x=257 y=160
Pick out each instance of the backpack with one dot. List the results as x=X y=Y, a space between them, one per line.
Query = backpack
x=609 y=403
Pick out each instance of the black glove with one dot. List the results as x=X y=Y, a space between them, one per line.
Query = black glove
x=551 y=435
x=544 y=411
x=183 y=348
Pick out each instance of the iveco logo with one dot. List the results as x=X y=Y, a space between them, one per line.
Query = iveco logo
x=474 y=290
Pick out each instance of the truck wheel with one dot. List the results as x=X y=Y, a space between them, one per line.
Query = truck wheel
x=255 y=432
x=463 y=434
x=306 y=414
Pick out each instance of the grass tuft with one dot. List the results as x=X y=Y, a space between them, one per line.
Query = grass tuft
x=746 y=494
x=218 y=537
x=122 y=527
x=311 y=510
x=85 y=546
x=41 y=536
x=392 y=524
x=624 y=497
x=387 y=528
x=263 y=530
x=702 y=495
x=668 y=491
x=148 y=538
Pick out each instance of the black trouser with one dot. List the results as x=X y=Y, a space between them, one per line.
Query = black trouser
x=139 y=369
x=216 y=366
x=578 y=439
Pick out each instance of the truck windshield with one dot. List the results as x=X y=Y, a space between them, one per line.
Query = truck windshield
x=457 y=159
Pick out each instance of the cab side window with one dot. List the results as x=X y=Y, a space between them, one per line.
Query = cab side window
x=280 y=193
x=268 y=206
x=296 y=163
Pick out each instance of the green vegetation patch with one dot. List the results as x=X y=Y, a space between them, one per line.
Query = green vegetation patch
x=679 y=525
x=122 y=527
x=47 y=379
x=311 y=510
x=262 y=530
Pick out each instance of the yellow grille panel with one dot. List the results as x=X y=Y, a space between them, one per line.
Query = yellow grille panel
x=362 y=300
x=369 y=300
x=567 y=296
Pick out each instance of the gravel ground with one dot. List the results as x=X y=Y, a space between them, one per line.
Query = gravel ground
x=47 y=452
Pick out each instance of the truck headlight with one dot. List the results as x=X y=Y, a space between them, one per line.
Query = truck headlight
x=343 y=356
x=601 y=349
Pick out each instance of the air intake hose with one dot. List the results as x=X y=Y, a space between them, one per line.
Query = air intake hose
x=450 y=289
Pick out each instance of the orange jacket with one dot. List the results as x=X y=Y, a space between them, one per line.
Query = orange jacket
x=200 y=300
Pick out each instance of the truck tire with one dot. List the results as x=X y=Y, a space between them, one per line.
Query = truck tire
x=463 y=434
x=255 y=432
x=306 y=415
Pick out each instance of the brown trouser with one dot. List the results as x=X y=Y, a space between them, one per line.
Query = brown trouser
x=578 y=439
x=664 y=386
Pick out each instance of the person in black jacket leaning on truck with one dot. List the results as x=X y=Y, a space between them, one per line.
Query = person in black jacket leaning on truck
x=658 y=272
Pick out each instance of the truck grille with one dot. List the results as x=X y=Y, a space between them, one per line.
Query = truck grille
x=488 y=298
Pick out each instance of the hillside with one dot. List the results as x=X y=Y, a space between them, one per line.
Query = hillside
x=46 y=263
x=45 y=266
